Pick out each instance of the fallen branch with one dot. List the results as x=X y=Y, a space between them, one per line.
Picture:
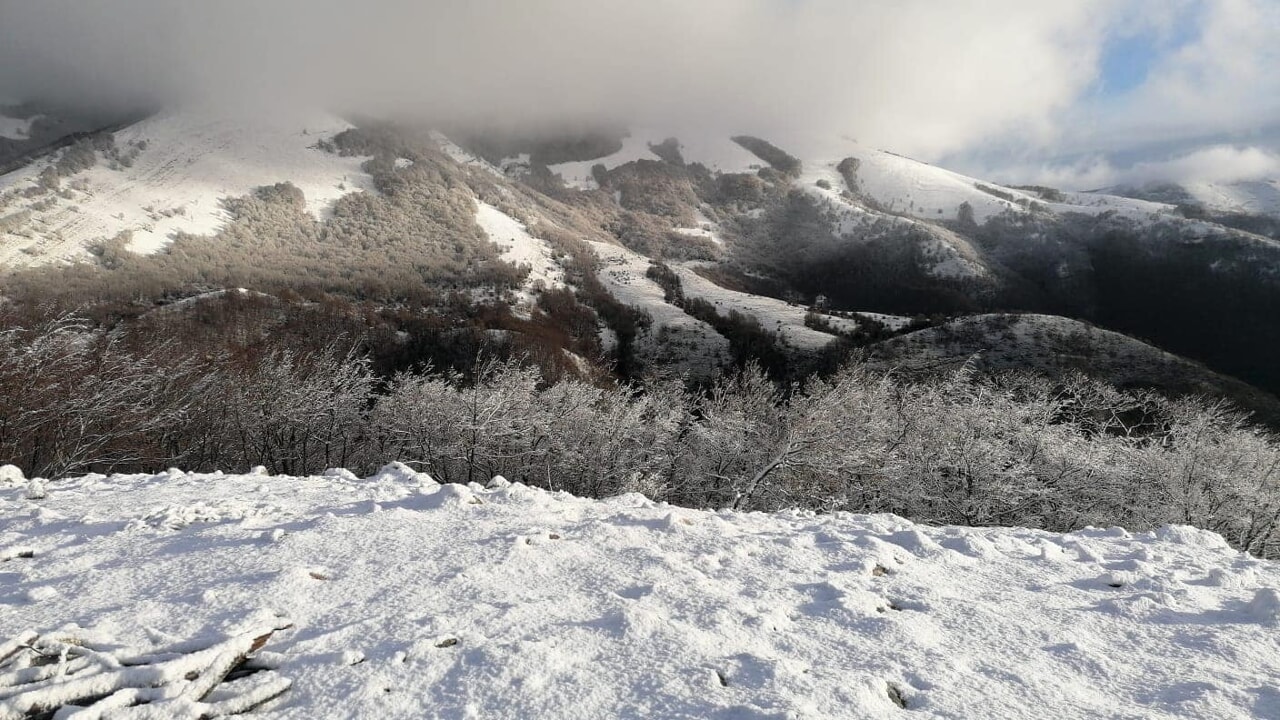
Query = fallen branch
x=40 y=676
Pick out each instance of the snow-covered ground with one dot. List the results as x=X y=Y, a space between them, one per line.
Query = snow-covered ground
x=1261 y=197
x=927 y=192
x=190 y=163
x=675 y=338
x=950 y=255
x=15 y=128
x=1098 y=203
x=520 y=248
x=716 y=152
x=774 y=315
x=413 y=600
x=461 y=156
x=910 y=187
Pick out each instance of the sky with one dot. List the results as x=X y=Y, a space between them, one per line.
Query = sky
x=1078 y=94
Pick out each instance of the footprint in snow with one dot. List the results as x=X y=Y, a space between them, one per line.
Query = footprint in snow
x=636 y=592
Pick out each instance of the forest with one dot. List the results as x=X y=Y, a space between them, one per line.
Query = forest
x=956 y=447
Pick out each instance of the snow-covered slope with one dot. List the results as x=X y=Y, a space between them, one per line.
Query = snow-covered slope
x=917 y=189
x=1261 y=197
x=717 y=153
x=519 y=247
x=413 y=600
x=186 y=163
x=15 y=128
x=1056 y=345
x=675 y=338
x=776 y=316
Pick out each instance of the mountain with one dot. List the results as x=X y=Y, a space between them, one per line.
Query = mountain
x=164 y=175
x=1056 y=346
x=396 y=596
x=1245 y=197
x=633 y=252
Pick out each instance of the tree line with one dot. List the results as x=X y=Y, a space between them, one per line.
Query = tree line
x=959 y=447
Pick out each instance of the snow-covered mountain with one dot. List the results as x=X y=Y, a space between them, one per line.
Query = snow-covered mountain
x=737 y=230
x=402 y=598
x=164 y=175
x=1246 y=197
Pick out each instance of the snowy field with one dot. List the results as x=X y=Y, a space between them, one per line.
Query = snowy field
x=717 y=153
x=520 y=248
x=776 y=316
x=408 y=599
x=675 y=338
x=189 y=163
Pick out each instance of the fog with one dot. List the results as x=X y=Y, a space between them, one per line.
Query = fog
x=917 y=75
x=926 y=78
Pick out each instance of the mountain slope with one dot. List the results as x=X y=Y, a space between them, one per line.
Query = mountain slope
x=164 y=175
x=1057 y=345
x=841 y=227
x=409 y=599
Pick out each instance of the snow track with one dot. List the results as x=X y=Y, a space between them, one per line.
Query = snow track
x=410 y=599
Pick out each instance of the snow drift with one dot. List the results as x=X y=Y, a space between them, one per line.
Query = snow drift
x=412 y=599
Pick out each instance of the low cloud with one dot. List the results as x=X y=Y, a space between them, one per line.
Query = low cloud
x=1003 y=80
x=1214 y=164
x=915 y=75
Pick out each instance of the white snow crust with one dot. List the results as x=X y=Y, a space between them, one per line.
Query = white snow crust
x=775 y=315
x=414 y=600
x=717 y=153
x=675 y=337
x=1261 y=197
x=191 y=162
x=520 y=248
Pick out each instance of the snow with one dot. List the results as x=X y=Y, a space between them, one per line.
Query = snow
x=16 y=128
x=578 y=174
x=704 y=228
x=926 y=192
x=892 y=322
x=950 y=255
x=717 y=153
x=1098 y=203
x=520 y=248
x=675 y=338
x=192 y=161
x=461 y=156
x=408 y=599
x=775 y=315
x=908 y=187
x=1260 y=197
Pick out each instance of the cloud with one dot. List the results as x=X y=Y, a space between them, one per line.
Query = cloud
x=916 y=75
x=1211 y=164
x=1224 y=81
x=1001 y=85
x=1208 y=107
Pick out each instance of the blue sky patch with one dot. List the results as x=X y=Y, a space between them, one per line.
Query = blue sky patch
x=1129 y=57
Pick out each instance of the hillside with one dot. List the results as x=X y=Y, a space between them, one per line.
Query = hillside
x=565 y=234
x=1057 y=345
x=164 y=175
x=1255 y=197
x=408 y=599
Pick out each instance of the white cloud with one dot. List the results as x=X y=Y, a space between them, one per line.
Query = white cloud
x=1213 y=164
x=1007 y=83
x=916 y=75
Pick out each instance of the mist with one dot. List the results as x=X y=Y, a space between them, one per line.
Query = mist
x=915 y=75
x=989 y=84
